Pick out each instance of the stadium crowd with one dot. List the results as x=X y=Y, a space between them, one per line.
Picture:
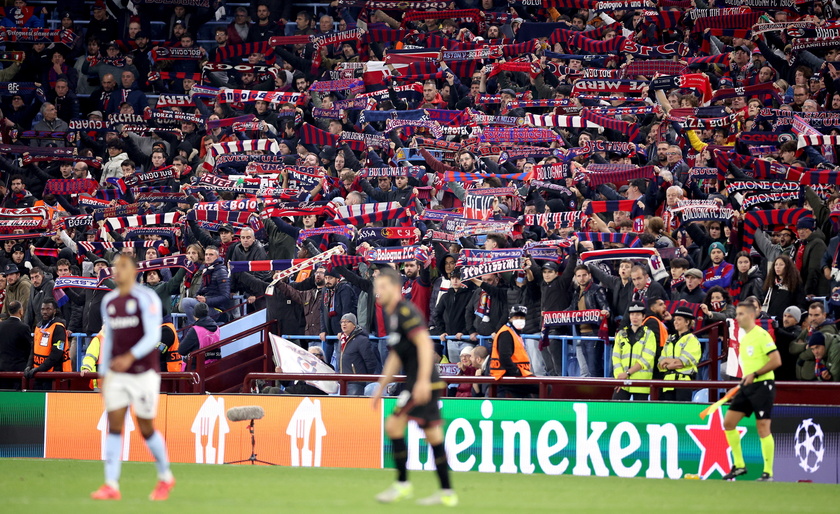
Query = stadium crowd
x=622 y=168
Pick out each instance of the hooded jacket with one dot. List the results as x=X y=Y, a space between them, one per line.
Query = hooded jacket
x=19 y=292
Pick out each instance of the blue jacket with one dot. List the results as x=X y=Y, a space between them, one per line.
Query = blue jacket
x=215 y=285
x=335 y=306
x=357 y=356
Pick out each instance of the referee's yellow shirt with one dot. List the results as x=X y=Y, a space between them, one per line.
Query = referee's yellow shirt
x=755 y=348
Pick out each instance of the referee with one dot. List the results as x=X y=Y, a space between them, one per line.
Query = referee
x=411 y=349
x=758 y=358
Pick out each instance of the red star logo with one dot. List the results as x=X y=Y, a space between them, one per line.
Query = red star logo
x=714 y=450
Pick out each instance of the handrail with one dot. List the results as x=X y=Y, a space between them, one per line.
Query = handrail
x=64 y=376
x=714 y=386
x=264 y=328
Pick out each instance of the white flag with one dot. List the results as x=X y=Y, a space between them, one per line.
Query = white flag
x=294 y=359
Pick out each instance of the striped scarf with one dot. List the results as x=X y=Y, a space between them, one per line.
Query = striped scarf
x=147 y=177
x=118 y=210
x=248 y=145
x=611 y=206
x=557 y=121
x=311 y=135
x=402 y=171
x=754 y=220
x=25 y=224
x=621 y=175
x=345 y=231
x=462 y=176
x=98 y=247
x=628 y=239
x=729 y=21
x=359 y=216
x=159 y=197
x=28 y=212
x=170 y=218
x=239 y=218
x=81 y=221
x=471 y=14
x=230 y=52
x=623 y=127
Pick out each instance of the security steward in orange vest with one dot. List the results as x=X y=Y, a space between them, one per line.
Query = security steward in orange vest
x=170 y=359
x=50 y=349
x=508 y=357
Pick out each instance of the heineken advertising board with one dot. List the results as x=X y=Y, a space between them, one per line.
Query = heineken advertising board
x=627 y=439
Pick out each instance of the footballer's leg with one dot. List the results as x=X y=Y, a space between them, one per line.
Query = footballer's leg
x=445 y=496
x=145 y=406
x=733 y=437
x=113 y=456
x=395 y=426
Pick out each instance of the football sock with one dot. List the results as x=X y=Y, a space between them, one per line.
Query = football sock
x=113 y=459
x=768 y=450
x=157 y=446
x=441 y=465
x=734 y=439
x=400 y=452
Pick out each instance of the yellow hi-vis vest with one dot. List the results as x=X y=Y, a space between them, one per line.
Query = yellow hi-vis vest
x=686 y=348
x=642 y=352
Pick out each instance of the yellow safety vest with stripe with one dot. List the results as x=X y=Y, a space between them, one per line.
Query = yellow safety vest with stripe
x=626 y=354
x=686 y=348
x=91 y=360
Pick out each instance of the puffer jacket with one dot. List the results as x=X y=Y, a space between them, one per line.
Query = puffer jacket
x=215 y=285
x=113 y=168
x=357 y=355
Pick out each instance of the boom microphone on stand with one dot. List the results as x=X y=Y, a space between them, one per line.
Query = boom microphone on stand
x=249 y=412
x=245 y=413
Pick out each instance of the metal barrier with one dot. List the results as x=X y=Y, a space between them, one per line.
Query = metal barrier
x=179 y=382
x=817 y=393
x=82 y=342
x=711 y=341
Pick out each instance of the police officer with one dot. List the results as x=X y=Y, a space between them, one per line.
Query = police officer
x=508 y=358
x=50 y=349
x=680 y=356
x=634 y=353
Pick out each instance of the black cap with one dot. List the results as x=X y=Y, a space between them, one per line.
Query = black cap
x=65 y=14
x=328 y=152
x=518 y=310
x=551 y=265
x=742 y=48
x=684 y=312
x=226 y=228
x=142 y=34
x=636 y=307
x=332 y=273
x=102 y=260
x=10 y=269
x=17 y=248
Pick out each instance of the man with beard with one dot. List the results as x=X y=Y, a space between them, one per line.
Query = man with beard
x=18 y=197
x=264 y=28
x=417 y=286
x=41 y=290
x=339 y=299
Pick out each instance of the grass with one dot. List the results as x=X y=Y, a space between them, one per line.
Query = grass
x=63 y=486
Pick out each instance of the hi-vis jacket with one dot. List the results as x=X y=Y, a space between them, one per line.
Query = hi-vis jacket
x=686 y=348
x=634 y=348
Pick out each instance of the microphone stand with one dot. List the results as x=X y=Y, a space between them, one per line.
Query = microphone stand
x=253 y=458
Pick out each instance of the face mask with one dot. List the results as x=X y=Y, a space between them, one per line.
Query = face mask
x=518 y=324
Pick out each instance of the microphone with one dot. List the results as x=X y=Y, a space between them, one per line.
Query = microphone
x=245 y=413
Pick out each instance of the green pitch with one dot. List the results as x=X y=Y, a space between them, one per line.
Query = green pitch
x=63 y=486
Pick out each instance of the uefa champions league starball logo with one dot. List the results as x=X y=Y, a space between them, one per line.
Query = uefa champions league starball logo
x=809 y=445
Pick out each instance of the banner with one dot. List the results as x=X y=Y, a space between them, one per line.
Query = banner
x=296 y=431
x=558 y=318
x=625 y=439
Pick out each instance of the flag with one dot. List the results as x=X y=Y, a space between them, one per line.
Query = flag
x=291 y=358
